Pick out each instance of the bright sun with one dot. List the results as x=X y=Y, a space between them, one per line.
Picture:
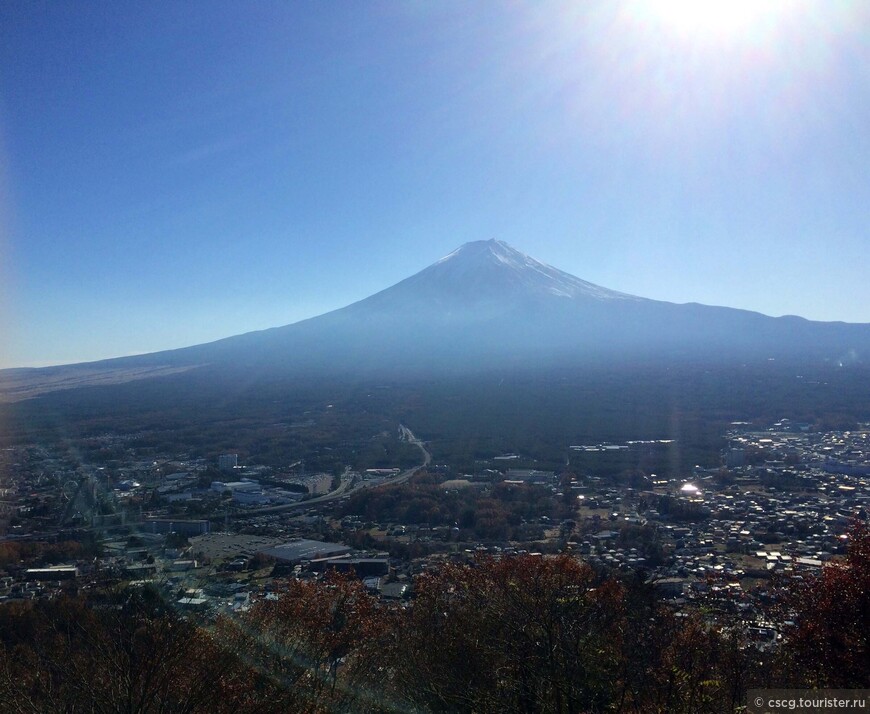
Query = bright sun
x=709 y=17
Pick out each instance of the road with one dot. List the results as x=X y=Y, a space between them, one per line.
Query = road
x=344 y=489
x=407 y=435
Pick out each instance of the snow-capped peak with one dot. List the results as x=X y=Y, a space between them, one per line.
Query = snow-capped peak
x=476 y=259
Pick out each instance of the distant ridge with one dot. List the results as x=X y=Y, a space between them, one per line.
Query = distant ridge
x=484 y=306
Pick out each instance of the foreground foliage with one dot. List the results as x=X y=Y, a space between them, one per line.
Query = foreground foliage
x=524 y=634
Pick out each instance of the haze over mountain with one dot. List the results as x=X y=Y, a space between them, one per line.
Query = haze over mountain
x=484 y=306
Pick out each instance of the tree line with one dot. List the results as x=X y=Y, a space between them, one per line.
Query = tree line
x=515 y=634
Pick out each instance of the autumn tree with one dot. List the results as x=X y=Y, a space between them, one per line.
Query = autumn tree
x=125 y=654
x=316 y=645
x=830 y=645
x=515 y=634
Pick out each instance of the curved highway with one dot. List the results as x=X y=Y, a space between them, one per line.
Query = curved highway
x=344 y=489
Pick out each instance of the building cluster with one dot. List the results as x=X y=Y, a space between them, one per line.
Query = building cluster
x=207 y=533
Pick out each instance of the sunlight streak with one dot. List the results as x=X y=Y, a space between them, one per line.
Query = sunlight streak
x=712 y=17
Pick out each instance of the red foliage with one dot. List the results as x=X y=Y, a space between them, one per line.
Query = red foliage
x=831 y=644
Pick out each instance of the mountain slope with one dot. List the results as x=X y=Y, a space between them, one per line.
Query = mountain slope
x=484 y=306
x=487 y=304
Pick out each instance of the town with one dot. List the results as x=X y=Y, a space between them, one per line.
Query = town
x=215 y=535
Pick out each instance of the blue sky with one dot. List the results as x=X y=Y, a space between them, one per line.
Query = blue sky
x=172 y=173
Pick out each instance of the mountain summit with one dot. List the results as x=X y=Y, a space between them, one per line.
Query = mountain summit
x=485 y=306
x=494 y=267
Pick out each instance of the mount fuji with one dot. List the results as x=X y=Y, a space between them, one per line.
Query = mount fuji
x=484 y=306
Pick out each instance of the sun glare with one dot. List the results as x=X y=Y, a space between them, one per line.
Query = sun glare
x=722 y=18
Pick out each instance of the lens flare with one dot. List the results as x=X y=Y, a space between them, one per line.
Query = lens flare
x=710 y=17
